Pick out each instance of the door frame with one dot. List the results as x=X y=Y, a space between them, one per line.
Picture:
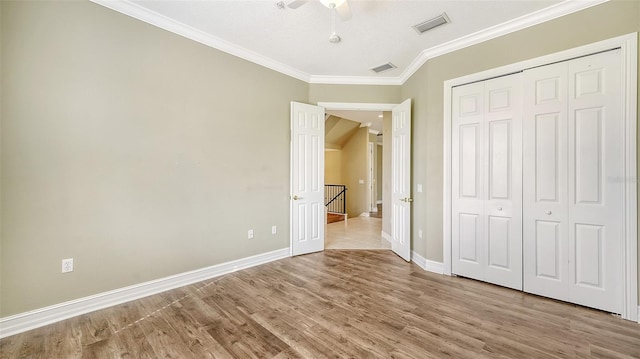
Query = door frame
x=355 y=106
x=628 y=45
x=371 y=160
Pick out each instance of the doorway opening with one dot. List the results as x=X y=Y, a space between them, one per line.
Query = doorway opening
x=355 y=178
x=307 y=211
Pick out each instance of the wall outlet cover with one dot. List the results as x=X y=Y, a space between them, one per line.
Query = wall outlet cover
x=67 y=265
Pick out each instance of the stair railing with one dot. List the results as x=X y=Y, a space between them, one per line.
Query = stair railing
x=335 y=198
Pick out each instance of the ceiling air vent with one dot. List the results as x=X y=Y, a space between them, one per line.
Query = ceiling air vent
x=425 y=26
x=384 y=67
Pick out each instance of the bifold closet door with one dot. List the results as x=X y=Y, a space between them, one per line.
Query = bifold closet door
x=573 y=193
x=487 y=180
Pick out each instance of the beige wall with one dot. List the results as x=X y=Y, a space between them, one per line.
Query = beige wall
x=354 y=168
x=601 y=22
x=353 y=93
x=333 y=167
x=135 y=151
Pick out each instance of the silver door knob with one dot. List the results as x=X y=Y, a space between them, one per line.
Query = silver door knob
x=295 y=198
x=407 y=199
x=548 y=213
x=499 y=208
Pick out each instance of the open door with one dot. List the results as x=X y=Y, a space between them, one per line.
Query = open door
x=307 y=179
x=401 y=180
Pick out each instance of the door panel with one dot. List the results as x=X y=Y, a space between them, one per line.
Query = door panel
x=503 y=184
x=547 y=250
x=545 y=232
x=467 y=167
x=589 y=255
x=307 y=178
x=469 y=238
x=470 y=161
x=401 y=180
x=499 y=242
x=500 y=158
x=547 y=157
x=573 y=245
x=486 y=189
x=596 y=164
x=588 y=155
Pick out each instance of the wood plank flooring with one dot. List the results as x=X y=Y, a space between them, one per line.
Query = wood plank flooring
x=334 y=217
x=335 y=304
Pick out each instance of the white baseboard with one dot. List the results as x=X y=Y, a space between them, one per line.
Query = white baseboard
x=40 y=317
x=379 y=201
x=429 y=266
x=385 y=236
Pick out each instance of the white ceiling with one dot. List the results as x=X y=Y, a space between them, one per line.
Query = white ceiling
x=295 y=42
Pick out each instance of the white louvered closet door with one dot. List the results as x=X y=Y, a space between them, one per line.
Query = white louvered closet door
x=486 y=188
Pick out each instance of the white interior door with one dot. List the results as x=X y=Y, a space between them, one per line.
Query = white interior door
x=574 y=198
x=401 y=180
x=307 y=179
x=596 y=168
x=503 y=185
x=467 y=187
x=486 y=181
x=545 y=236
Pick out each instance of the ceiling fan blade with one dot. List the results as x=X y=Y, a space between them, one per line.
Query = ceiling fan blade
x=344 y=11
x=294 y=4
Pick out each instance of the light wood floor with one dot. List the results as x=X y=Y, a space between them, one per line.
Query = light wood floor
x=357 y=233
x=339 y=304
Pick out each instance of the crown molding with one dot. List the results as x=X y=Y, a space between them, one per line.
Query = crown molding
x=355 y=80
x=151 y=17
x=355 y=106
x=553 y=12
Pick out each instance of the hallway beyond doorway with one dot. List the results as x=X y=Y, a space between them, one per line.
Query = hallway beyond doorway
x=359 y=233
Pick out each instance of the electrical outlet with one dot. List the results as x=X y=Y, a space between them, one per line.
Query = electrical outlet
x=67 y=265
x=250 y=234
x=274 y=230
x=419 y=233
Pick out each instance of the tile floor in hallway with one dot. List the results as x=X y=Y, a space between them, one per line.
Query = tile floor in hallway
x=357 y=233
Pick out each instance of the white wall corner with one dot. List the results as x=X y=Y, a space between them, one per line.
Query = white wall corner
x=40 y=317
